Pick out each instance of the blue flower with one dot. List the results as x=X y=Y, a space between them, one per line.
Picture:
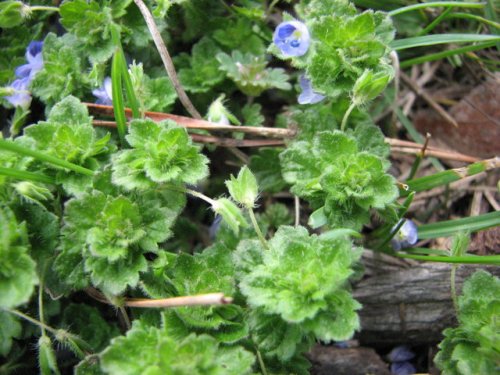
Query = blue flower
x=402 y=368
x=21 y=96
x=104 y=94
x=308 y=96
x=292 y=38
x=25 y=74
x=400 y=353
x=407 y=235
x=35 y=61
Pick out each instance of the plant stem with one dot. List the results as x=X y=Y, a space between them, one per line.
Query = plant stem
x=261 y=361
x=453 y=287
x=198 y=300
x=40 y=306
x=167 y=60
x=346 y=116
x=296 y=200
x=14 y=147
x=32 y=320
x=257 y=228
x=202 y=196
x=42 y=7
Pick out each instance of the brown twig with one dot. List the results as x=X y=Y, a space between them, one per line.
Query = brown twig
x=231 y=142
x=421 y=92
x=441 y=154
x=198 y=300
x=167 y=60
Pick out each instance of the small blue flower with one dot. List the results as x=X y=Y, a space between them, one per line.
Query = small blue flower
x=35 y=61
x=407 y=235
x=215 y=227
x=308 y=96
x=403 y=368
x=25 y=74
x=21 y=96
x=292 y=38
x=400 y=353
x=104 y=94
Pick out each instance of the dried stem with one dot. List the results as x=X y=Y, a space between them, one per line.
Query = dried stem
x=198 y=300
x=167 y=60
x=420 y=91
x=296 y=200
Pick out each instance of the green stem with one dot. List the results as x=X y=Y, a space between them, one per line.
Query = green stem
x=14 y=147
x=34 y=321
x=25 y=175
x=346 y=116
x=453 y=287
x=474 y=18
x=435 y=4
x=197 y=194
x=40 y=306
x=261 y=361
x=117 y=91
x=257 y=229
x=43 y=7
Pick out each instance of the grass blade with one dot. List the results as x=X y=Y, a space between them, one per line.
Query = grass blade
x=436 y=4
x=451 y=175
x=450 y=227
x=21 y=150
x=444 y=54
x=25 y=175
x=430 y=40
x=466 y=259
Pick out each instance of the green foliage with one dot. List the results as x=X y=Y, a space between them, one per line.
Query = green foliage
x=473 y=347
x=63 y=71
x=92 y=23
x=349 y=52
x=230 y=213
x=161 y=153
x=238 y=34
x=250 y=74
x=302 y=279
x=244 y=188
x=17 y=270
x=9 y=328
x=266 y=166
x=149 y=350
x=11 y=14
x=345 y=179
x=203 y=72
x=104 y=237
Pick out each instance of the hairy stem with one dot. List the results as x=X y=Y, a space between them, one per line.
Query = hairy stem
x=346 y=115
x=257 y=229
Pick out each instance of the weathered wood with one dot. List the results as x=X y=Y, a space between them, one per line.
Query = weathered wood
x=327 y=360
x=408 y=304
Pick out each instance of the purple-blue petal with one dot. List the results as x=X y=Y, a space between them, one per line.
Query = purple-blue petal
x=407 y=235
x=308 y=96
x=292 y=38
x=34 y=48
x=22 y=97
x=23 y=71
x=403 y=368
x=400 y=353
x=103 y=93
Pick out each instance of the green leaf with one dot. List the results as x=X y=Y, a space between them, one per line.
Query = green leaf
x=47 y=357
x=230 y=213
x=244 y=188
x=449 y=227
x=104 y=237
x=238 y=34
x=149 y=350
x=370 y=85
x=430 y=40
x=63 y=71
x=10 y=328
x=330 y=170
x=301 y=278
x=203 y=72
x=161 y=153
x=266 y=166
x=250 y=74
x=17 y=270
x=11 y=14
x=473 y=346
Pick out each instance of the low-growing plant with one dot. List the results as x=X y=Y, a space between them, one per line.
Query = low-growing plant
x=93 y=217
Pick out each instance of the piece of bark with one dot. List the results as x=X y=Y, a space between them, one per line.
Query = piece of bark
x=411 y=305
x=328 y=360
